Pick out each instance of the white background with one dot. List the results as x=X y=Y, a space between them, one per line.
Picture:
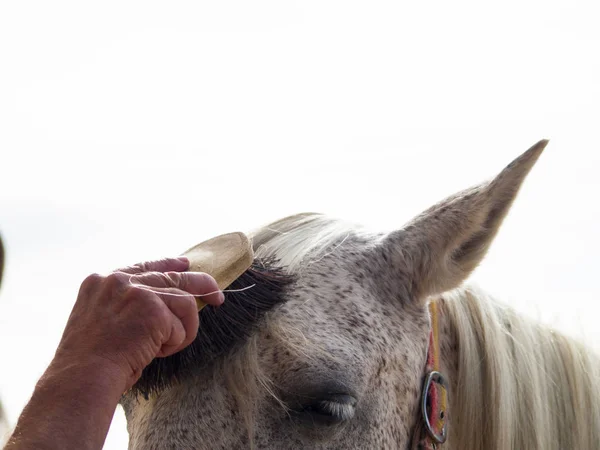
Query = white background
x=133 y=130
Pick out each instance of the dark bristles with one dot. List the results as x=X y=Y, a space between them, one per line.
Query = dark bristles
x=221 y=329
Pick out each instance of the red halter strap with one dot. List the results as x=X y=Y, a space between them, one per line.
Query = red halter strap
x=432 y=429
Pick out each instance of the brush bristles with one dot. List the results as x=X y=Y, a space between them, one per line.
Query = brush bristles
x=221 y=329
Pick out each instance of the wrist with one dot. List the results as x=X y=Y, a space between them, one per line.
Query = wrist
x=72 y=405
x=96 y=373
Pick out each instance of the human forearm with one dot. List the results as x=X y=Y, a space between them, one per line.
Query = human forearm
x=118 y=325
x=71 y=408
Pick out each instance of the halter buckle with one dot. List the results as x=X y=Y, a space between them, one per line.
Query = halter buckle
x=438 y=378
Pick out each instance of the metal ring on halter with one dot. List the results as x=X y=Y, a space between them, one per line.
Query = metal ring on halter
x=433 y=377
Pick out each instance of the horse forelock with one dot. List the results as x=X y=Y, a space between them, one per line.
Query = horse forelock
x=221 y=329
x=281 y=249
x=300 y=240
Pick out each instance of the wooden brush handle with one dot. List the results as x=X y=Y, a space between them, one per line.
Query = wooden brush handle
x=224 y=257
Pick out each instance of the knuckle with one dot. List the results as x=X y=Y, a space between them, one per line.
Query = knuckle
x=162 y=275
x=91 y=281
x=206 y=278
x=187 y=304
x=156 y=279
x=197 y=278
x=207 y=283
x=135 y=294
x=115 y=280
x=174 y=278
x=152 y=266
x=152 y=308
x=158 y=314
x=136 y=268
x=90 y=284
x=148 y=300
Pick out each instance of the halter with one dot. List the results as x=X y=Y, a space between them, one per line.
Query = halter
x=432 y=429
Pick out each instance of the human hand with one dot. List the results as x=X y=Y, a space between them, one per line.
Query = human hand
x=122 y=321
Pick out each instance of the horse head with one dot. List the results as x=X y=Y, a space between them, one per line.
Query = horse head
x=340 y=350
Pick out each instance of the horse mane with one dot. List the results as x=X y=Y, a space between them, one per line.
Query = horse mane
x=521 y=384
x=296 y=241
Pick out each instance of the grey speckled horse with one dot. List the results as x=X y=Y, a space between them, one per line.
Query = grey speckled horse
x=339 y=360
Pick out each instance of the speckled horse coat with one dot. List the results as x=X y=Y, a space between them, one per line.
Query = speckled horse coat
x=338 y=361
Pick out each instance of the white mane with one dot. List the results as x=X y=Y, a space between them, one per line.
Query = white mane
x=298 y=239
x=521 y=385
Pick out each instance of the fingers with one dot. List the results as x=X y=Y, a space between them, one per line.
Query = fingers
x=195 y=283
x=185 y=321
x=179 y=264
x=168 y=290
x=138 y=313
x=177 y=291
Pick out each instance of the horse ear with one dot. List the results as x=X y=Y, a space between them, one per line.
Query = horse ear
x=440 y=248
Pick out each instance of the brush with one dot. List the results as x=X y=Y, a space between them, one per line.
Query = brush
x=224 y=257
x=256 y=287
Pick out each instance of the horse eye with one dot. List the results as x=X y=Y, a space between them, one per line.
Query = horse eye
x=330 y=410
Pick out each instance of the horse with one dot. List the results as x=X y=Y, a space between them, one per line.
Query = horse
x=374 y=340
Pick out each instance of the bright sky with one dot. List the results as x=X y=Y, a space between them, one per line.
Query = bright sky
x=134 y=130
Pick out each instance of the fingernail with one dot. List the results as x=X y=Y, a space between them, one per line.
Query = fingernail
x=222 y=297
x=183 y=259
